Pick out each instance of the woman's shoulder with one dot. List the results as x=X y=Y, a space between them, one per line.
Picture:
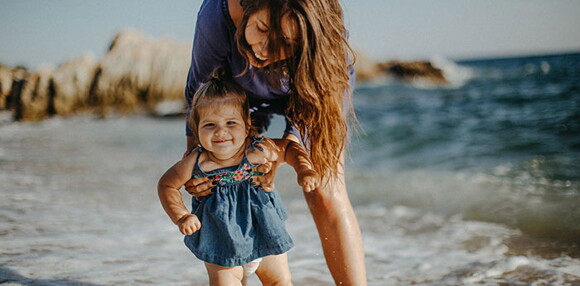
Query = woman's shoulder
x=213 y=15
x=235 y=11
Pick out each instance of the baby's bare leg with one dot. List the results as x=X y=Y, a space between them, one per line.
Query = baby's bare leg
x=274 y=270
x=224 y=276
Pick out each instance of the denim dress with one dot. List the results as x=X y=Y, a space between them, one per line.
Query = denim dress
x=239 y=222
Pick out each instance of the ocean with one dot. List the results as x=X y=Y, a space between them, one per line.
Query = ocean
x=475 y=183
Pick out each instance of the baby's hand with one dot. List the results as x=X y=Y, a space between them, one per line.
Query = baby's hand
x=188 y=224
x=309 y=180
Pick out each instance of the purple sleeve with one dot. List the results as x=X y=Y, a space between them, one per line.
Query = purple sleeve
x=212 y=42
x=291 y=129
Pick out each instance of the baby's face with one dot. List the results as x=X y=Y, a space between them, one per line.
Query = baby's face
x=222 y=130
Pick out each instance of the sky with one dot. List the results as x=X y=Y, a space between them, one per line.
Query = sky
x=35 y=32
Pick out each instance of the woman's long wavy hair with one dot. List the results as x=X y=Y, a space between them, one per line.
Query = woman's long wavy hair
x=318 y=72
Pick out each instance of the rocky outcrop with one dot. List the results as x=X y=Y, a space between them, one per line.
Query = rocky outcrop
x=137 y=73
x=140 y=73
x=366 y=69
x=71 y=85
x=405 y=71
x=8 y=78
x=33 y=95
x=414 y=71
x=5 y=85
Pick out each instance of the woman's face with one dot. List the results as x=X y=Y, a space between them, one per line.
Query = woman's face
x=257 y=31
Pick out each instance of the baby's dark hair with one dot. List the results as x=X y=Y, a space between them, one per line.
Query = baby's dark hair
x=219 y=90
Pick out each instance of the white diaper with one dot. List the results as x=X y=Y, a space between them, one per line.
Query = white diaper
x=251 y=267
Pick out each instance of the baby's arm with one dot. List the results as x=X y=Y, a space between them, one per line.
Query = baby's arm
x=294 y=154
x=170 y=196
x=297 y=157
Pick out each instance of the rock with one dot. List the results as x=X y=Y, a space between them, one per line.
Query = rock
x=8 y=77
x=33 y=95
x=169 y=71
x=136 y=73
x=139 y=72
x=365 y=68
x=423 y=72
x=414 y=71
x=5 y=86
x=72 y=83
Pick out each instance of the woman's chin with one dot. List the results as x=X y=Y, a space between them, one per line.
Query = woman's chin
x=257 y=63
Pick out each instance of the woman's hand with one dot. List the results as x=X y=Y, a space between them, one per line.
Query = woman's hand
x=188 y=224
x=199 y=187
x=266 y=181
x=309 y=180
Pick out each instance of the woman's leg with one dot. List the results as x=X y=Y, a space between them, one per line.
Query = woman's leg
x=339 y=231
x=224 y=276
x=274 y=271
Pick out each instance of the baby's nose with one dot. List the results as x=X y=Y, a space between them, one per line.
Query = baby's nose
x=220 y=131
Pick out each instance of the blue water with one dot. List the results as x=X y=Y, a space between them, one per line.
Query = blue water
x=515 y=122
x=510 y=111
x=474 y=183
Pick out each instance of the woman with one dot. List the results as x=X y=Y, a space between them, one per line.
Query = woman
x=292 y=58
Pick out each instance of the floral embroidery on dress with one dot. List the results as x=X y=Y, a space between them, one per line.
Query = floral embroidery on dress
x=244 y=172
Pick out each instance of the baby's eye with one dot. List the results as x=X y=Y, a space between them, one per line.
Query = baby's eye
x=208 y=125
x=232 y=123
